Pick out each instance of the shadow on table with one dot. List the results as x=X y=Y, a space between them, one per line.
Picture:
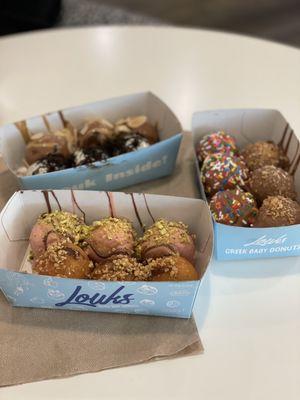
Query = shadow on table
x=83 y=321
x=260 y=268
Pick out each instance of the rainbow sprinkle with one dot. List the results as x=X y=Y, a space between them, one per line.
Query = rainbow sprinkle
x=234 y=207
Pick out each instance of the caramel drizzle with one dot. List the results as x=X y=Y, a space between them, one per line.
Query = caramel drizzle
x=23 y=129
x=111 y=204
x=47 y=124
x=77 y=205
x=136 y=212
x=148 y=209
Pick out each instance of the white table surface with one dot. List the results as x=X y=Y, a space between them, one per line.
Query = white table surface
x=248 y=313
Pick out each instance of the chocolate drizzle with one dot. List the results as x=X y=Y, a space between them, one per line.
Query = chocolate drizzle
x=113 y=253
x=46 y=122
x=45 y=238
x=71 y=252
x=47 y=200
x=168 y=246
x=23 y=129
x=77 y=205
x=136 y=212
x=286 y=147
x=148 y=209
x=296 y=153
x=280 y=144
x=62 y=118
x=296 y=159
x=46 y=196
x=294 y=168
x=56 y=199
x=287 y=133
x=111 y=204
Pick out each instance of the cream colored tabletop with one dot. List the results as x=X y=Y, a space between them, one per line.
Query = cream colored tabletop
x=248 y=313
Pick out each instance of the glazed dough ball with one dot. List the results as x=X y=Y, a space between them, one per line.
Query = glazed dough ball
x=64 y=259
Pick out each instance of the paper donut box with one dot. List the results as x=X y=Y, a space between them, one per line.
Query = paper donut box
x=248 y=126
x=23 y=289
x=156 y=161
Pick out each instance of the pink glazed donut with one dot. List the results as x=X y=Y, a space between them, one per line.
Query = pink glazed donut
x=54 y=227
x=110 y=237
x=166 y=238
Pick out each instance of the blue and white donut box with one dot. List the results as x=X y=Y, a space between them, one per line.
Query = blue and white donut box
x=25 y=289
x=246 y=126
x=154 y=162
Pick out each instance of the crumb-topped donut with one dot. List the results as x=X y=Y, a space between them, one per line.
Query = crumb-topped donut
x=63 y=259
x=122 y=268
x=271 y=181
x=278 y=211
x=172 y=268
x=261 y=153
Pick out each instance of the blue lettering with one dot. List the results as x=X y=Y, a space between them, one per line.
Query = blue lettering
x=95 y=299
x=92 y=301
x=72 y=297
x=126 y=299
x=82 y=298
x=113 y=297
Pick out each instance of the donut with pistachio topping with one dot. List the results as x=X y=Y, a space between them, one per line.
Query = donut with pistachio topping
x=55 y=226
x=165 y=238
x=110 y=237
